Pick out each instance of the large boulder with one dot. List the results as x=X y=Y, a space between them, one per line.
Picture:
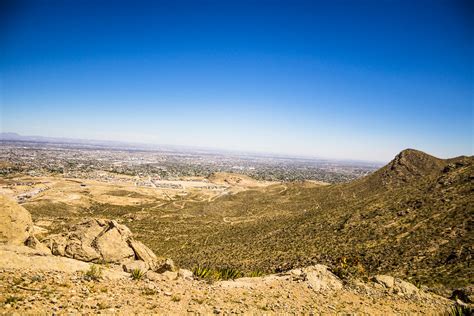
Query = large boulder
x=98 y=240
x=144 y=253
x=318 y=277
x=16 y=225
x=396 y=285
x=321 y=279
x=93 y=240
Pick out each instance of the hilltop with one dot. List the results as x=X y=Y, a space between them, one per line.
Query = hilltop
x=413 y=218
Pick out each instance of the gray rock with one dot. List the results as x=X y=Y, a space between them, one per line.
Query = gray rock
x=143 y=253
x=98 y=240
x=165 y=265
x=384 y=280
x=185 y=274
x=135 y=265
x=321 y=279
x=396 y=285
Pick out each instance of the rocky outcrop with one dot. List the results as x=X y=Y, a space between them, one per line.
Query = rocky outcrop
x=16 y=225
x=396 y=286
x=106 y=241
x=319 y=278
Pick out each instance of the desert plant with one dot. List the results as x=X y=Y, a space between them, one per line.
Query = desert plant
x=228 y=274
x=94 y=273
x=137 y=274
x=211 y=274
x=347 y=267
x=202 y=272
x=12 y=299
x=460 y=310
x=256 y=274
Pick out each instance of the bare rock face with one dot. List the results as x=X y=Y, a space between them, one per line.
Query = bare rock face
x=396 y=285
x=97 y=240
x=34 y=243
x=93 y=240
x=16 y=225
x=144 y=253
x=321 y=279
x=185 y=274
x=135 y=265
x=113 y=246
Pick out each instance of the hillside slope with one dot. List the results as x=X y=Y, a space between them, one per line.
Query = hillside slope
x=412 y=218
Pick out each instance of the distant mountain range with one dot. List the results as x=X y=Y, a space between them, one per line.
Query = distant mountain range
x=64 y=140
x=8 y=136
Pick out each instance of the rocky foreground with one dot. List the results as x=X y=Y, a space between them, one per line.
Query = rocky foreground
x=31 y=282
x=98 y=267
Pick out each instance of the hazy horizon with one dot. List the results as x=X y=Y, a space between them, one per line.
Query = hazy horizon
x=343 y=80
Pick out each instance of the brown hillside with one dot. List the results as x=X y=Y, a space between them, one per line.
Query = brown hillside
x=412 y=218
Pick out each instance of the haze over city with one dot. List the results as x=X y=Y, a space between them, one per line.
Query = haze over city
x=336 y=79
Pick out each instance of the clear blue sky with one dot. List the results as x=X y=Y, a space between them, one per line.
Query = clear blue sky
x=341 y=79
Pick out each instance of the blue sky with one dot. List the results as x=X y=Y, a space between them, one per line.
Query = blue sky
x=337 y=79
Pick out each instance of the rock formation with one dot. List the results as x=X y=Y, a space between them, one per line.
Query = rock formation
x=16 y=225
x=106 y=241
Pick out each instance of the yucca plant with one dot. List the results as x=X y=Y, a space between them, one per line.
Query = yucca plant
x=460 y=310
x=228 y=274
x=202 y=272
x=256 y=274
x=137 y=274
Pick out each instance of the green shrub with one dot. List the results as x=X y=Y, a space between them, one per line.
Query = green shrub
x=256 y=274
x=460 y=310
x=12 y=299
x=211 y=274
x=229 y=274
x=137 y=274
x=202 y=272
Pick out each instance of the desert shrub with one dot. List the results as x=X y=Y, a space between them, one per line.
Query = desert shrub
x=94 y=272
x=256 y=274
x=347 y=267
x=12 y=299
x=210 y=274
x=202 y=272
x=460 y=310
x=176 y=298
x=137 y=274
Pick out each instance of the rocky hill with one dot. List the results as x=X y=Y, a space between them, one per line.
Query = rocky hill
x=412 y=218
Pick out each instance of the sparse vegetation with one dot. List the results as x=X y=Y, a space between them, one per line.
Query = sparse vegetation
x=404 y=212
x=255 y=274
x=94 y=273
x=12 y=299
x=460 y=310
x=211 y=274
x=348 y=267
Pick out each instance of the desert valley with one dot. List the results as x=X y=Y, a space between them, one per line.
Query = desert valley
x=393 y=240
